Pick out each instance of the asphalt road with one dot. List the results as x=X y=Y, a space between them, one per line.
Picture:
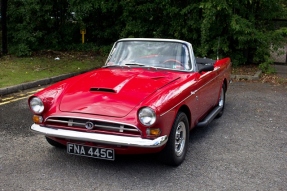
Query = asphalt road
x=246 y=149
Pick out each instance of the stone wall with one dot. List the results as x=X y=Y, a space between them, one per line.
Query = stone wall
x=280 y=55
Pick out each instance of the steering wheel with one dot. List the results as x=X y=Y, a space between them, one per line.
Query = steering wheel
x=174 y=64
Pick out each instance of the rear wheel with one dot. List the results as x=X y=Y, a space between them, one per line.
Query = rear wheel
x=54 y=143
x=175 y=150
x=221 y=101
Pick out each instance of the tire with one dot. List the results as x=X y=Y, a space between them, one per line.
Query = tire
x=175 y=150
x=221 y=101
x=54 y=143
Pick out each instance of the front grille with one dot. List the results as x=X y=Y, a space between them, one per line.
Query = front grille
x=80 y=124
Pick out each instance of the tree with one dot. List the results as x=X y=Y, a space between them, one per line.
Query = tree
x=4 y=26
x=39 y=24
x=243 y=29
x=246 y=28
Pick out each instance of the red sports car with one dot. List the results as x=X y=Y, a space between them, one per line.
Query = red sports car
x=145 y=99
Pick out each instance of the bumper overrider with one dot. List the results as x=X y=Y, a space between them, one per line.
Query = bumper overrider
x=100 y=138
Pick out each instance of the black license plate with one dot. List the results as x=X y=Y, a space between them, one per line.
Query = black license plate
x=88 y=151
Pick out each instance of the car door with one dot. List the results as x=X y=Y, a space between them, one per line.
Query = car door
x=207 y=92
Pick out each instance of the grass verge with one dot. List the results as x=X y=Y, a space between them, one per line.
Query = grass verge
x=44 y=64
x=274 y=79
x=15 y=70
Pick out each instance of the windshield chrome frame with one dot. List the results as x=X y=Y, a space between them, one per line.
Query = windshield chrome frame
x=187 y=44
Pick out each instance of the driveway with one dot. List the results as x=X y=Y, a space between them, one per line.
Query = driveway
x=246 y=149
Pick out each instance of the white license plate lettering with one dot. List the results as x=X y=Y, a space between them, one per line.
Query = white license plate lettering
x=88 y=151
x=103 y=153
x=97 y=152
x=110 y=154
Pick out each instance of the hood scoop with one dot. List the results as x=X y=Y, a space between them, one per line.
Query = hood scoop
x=102 y=90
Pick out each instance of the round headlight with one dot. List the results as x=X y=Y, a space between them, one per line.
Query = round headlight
x=147 y=116
x=36 y=105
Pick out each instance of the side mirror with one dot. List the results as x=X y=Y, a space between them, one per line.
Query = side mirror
x=206 y=68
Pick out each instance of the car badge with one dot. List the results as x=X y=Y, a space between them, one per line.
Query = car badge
x=89 y=125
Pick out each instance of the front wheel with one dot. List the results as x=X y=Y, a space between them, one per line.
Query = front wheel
x=175 y=150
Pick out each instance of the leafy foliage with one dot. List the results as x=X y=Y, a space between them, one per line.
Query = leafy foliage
x=243 y=29
x=38 y=24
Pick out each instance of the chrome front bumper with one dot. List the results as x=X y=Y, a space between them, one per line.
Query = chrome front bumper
x=100 y=138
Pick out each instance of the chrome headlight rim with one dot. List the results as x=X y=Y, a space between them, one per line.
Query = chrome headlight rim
x=147 y=116
x=36 y=105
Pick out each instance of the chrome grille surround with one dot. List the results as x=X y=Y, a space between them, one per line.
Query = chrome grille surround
x=79 y=123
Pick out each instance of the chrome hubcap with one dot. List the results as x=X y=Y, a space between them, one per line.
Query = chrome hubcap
x=180 y=138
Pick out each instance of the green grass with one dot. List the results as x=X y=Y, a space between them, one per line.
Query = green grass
x=14 y=70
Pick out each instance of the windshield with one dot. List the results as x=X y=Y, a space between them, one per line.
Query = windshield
x=161 y=54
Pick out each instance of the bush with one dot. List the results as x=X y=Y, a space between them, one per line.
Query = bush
x=242 y=29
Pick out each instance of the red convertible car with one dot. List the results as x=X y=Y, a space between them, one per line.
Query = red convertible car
x=145 y=99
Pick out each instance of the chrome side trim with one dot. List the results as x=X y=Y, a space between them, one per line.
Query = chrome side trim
x=101 y=138
x=191 y=93
x=177 y=104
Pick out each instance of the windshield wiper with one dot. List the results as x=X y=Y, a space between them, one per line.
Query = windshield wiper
x=106 y=66
x=134 y=64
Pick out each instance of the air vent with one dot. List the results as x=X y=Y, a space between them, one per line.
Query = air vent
x=102 y=90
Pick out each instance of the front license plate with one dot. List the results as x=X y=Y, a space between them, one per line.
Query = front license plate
x=88 y=151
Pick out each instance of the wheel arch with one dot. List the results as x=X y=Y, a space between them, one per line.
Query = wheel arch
x=186 y=110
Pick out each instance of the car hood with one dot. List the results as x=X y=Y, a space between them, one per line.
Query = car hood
x=113 y=91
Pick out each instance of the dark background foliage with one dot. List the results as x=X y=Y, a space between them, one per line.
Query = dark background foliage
x=243 y=29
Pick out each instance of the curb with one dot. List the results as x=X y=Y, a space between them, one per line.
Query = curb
x=33 y=84
x=247 y=77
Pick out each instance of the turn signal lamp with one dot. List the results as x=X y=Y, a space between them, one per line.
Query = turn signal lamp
x=153 y=132
x=37 y=119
